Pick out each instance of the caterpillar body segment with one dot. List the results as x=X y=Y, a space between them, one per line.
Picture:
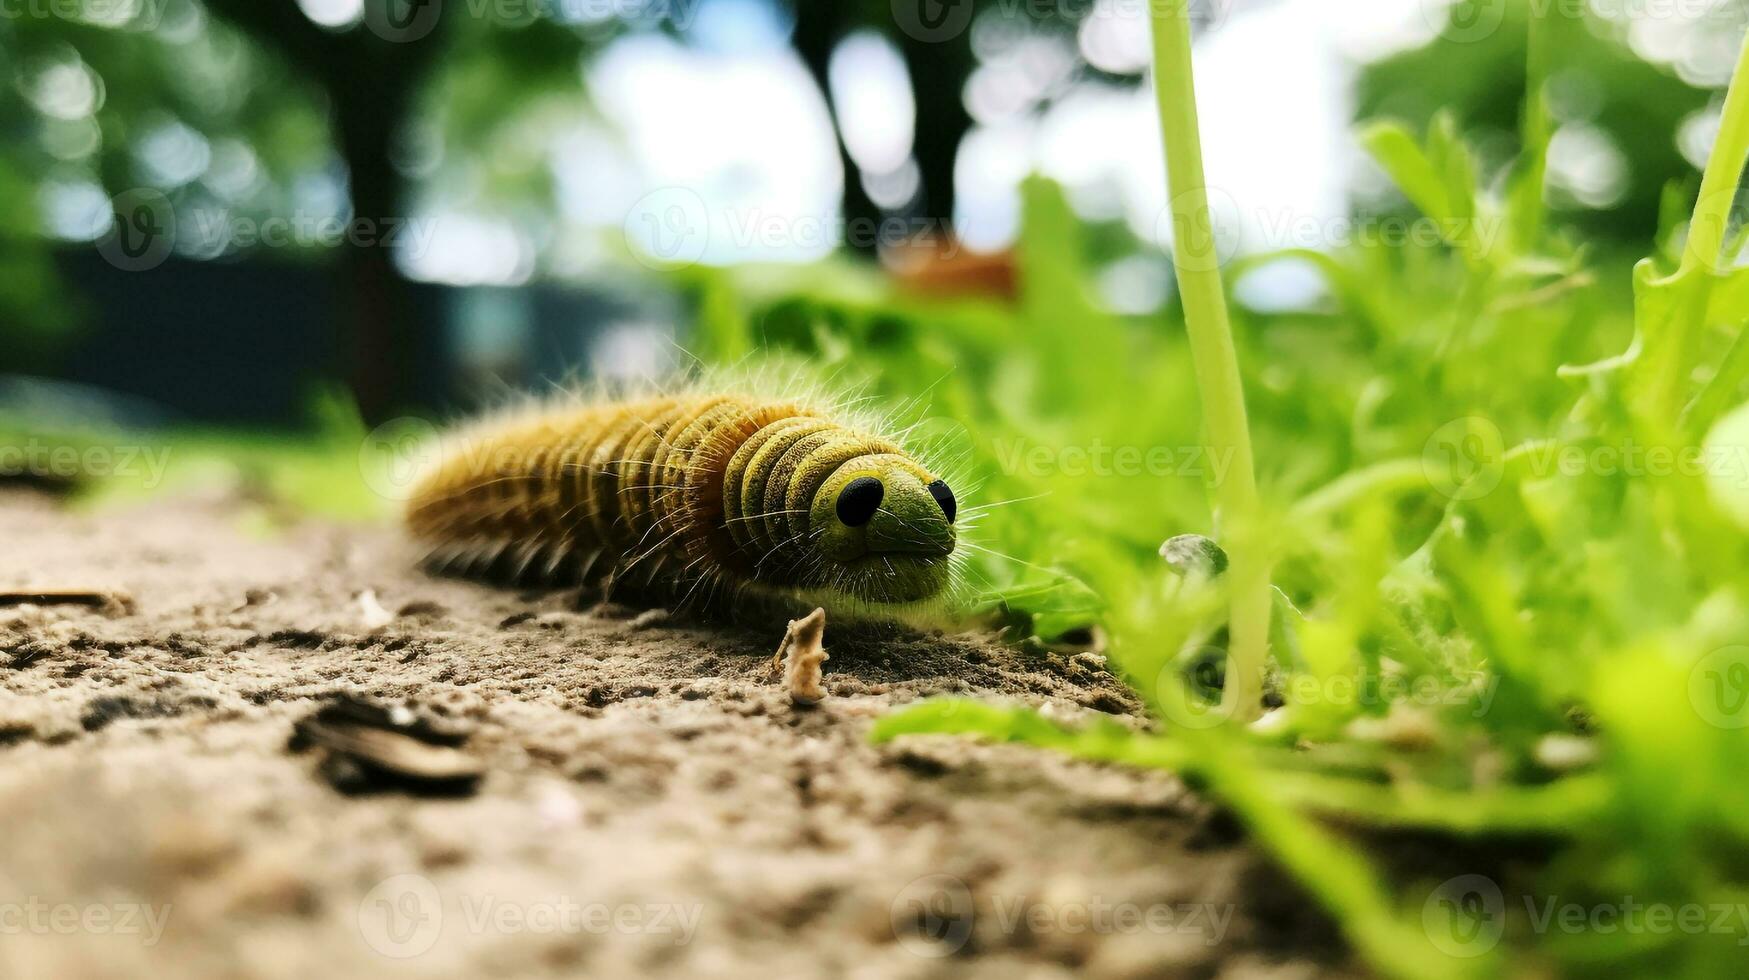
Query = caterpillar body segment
x=706 y=497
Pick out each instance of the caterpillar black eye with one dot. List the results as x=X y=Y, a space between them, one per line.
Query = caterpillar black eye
x=859 y=500
x=944 y=496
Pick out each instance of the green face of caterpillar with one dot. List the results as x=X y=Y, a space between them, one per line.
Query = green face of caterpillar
x=887 y=524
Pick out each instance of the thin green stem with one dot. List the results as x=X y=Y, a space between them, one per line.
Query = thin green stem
x=1528 y=211
x=1702 y=259
x=1196 y=257
x=1390 y=477
x=1718 y=185
x=1674 y=342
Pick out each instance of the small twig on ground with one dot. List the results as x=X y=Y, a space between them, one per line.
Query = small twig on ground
x=371 y=610
x=800 y=654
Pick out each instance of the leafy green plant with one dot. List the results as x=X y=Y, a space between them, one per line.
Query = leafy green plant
x=1510 y=590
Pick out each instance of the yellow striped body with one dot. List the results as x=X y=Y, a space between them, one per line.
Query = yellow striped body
x=707 y=494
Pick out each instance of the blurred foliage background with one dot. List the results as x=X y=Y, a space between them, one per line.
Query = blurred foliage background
x=494 y=143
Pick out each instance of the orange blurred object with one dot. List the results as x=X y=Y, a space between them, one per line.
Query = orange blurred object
x=942 y=266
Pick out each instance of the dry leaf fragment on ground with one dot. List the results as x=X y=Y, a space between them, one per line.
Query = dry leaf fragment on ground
x=801 y=654
x=113 y=602
x=371 y=747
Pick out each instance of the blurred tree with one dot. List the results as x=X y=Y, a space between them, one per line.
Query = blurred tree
x=935 y=39
x=938 y=69
x=93 y=109
x=819 y=28
x=241 y=111
x=938 y=41
x=369 y=82
x=373 y=76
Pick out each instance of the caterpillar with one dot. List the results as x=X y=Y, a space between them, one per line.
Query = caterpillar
x=711 y=498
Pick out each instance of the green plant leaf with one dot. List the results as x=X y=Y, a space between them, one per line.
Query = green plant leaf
x=1399 y=154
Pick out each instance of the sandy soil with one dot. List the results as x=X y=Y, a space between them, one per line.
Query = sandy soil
x=652 y=804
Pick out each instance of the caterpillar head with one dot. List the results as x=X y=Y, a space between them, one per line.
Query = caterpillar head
x=885 y=526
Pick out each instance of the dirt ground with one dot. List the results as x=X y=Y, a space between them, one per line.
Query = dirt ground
x=652 y=803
